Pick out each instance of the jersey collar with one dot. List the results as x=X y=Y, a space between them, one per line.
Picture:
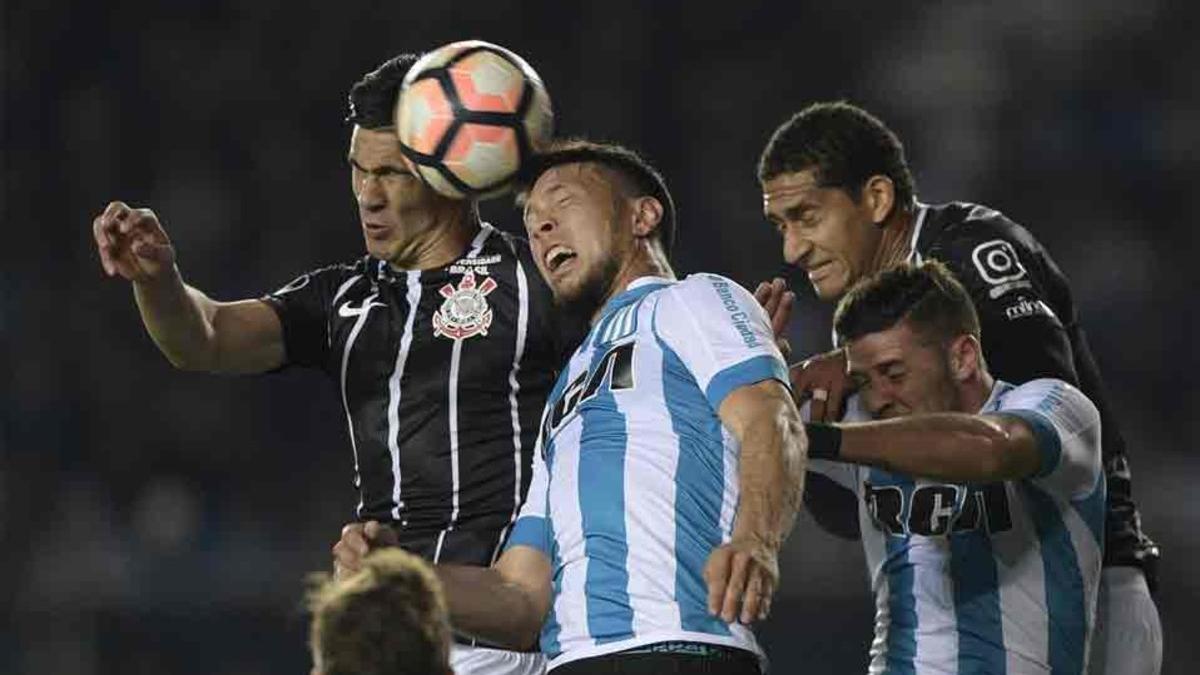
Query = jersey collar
x=634 y=291
x=999 y=389
x=914 y=256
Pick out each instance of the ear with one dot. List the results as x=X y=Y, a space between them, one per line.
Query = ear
x=647 y=214
x=965 y=362
x=879 y=196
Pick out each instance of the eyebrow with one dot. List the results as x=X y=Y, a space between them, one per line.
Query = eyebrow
x=795 y=211
x=796 y=198
x=887 y=365
x=550 y=193
x=556 y=188
x=378 y=171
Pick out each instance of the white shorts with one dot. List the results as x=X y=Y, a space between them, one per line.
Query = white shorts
x=1128 y=636
x=467 y=660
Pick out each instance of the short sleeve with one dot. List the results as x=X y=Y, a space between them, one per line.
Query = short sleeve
x=1066 y=426
x=303 y=307
x=720 y=333
x=533 y=523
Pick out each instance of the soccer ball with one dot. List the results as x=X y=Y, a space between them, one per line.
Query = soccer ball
x=468 y=115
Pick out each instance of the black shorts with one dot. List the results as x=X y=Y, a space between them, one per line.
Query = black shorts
x=651 y=661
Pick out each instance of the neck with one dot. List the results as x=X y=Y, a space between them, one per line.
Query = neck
x=895 y=244
x=975 y=392
x=439 y=244
x=647 y=261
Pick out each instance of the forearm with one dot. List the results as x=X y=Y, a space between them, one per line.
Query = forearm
x=179 y=320
x=771 y=477
x=945 y=446
x=484 y=605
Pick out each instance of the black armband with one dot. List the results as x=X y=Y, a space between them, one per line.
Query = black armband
x=824 y=441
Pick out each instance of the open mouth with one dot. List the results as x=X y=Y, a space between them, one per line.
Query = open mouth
x=557 y=256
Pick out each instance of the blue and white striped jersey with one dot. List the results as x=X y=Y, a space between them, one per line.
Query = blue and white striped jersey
x=1000 y=578
x=635 y=480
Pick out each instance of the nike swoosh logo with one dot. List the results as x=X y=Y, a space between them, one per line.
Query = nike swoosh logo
x=347 y=309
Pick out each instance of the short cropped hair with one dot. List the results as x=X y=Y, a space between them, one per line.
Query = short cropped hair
x=389 y=618
x=641 y=179
x=845 y=144
x=373 y=98
x=927 y=295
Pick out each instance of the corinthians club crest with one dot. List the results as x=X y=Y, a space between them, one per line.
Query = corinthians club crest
x=465 y=311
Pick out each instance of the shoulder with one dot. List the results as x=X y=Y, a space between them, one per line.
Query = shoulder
x=711 y=289
x=972 y=233
x=704 y=296
x=990 y=254
x=1053 y=397
x=329 y=275
x=713 y=305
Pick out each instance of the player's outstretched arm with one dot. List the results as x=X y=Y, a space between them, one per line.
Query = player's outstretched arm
x=743 y=574
x=193 y=331
x=955 y=447
x=505 y=604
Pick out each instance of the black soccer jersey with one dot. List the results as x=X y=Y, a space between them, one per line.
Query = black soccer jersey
x=1030 y=330
x=442 y=374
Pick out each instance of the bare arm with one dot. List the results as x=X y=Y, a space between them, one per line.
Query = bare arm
x=505 y=604
x=196 y=332
x=744 y=573
x=193 y=331
x=771 y=469
x=953 y=447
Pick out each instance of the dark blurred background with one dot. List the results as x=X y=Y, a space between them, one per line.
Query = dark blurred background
x=153 y=521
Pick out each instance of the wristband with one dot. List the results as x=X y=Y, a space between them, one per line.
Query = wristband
x=824 y=441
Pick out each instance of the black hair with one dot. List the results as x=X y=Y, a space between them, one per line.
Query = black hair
x=927 y=295
x=642 y=178
x=373 y=98
x=845 y=144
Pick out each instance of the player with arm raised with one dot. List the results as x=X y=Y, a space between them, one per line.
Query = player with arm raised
x=440 y=340
x=837 y=187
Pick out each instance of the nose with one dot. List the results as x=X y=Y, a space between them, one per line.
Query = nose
x=542 y=227
x=877 y=399
x=795 y=247
x=371 y=195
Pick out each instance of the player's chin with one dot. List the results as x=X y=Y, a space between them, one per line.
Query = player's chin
x=562 y=283
x=829 y=289
x=564 y=293
x=379 y=249
x=569 y=295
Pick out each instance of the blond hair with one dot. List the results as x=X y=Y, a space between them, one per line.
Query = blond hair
x=389 y=618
